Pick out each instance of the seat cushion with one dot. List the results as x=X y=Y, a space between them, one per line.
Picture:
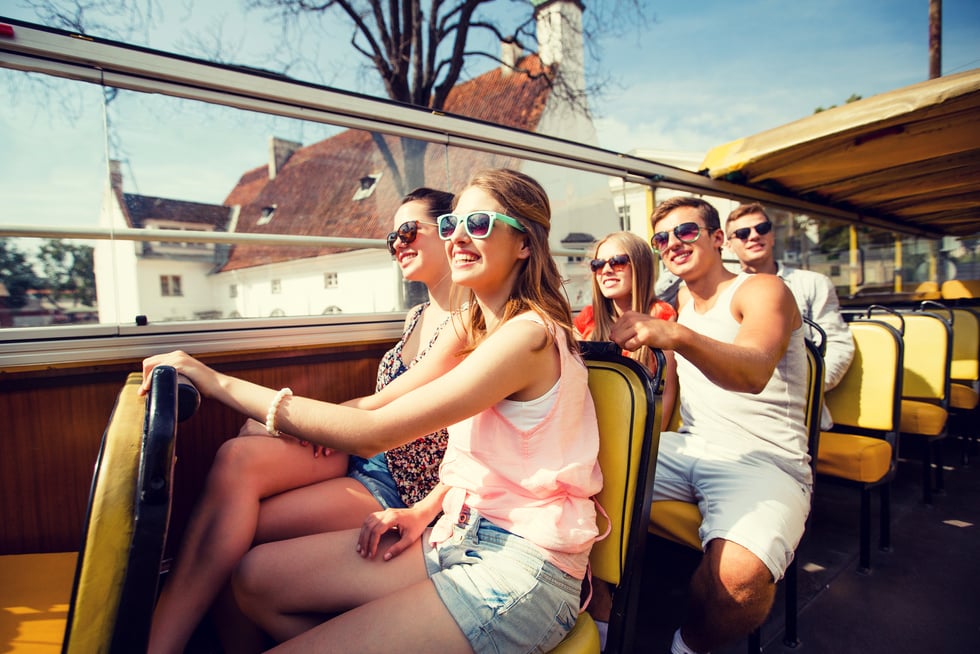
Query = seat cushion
x=34 y=595
x=676 y=521
x=582 y=639
x=962 y=397
x=923 y=418
x=849 y=456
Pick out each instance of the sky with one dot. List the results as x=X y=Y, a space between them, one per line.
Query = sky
x=688 y=77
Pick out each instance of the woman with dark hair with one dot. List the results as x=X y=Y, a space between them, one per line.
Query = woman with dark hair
x=261 y=489
x=502 y=568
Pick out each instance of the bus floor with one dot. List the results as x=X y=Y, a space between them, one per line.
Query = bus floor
x=919 y=597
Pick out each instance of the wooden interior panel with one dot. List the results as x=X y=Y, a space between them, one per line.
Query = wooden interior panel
x=54 y=420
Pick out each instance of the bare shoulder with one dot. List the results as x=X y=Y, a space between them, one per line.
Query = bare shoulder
x=760 y=286
x=763 y=293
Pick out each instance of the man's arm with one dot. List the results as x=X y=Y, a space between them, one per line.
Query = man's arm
x=768 y=315
x=825 y=311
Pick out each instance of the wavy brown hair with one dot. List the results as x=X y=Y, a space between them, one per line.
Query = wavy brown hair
x=539 y=284
x=642 y=296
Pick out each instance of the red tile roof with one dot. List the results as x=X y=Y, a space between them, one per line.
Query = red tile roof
x=313 y=191
x=140 y=208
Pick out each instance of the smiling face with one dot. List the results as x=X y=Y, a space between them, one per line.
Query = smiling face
x=691 y=258
x=424 y=259
x=755 y=251
x=614 y=282
x=484 y=264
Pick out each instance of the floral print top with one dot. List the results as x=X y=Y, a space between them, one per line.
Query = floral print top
x=414 y=466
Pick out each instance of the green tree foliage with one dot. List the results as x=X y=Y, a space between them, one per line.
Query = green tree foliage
x=853 y=98
x=69 y=271
x=16 y=274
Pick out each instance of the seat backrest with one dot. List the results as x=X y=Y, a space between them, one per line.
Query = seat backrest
x=814 y=399
x=627 y=403
x=965 y=365
x=927 y=353
x=118 y=565
x=961 y=289
x=868 y=397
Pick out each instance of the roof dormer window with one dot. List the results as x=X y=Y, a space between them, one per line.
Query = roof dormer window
x=266 y=216
x=366 y=186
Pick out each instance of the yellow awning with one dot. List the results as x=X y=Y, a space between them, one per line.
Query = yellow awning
x=909 y=156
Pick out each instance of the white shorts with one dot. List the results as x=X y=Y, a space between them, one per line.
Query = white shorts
x=743 y=499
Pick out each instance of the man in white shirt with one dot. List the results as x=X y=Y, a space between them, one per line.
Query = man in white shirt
x=740 y=453
x=750 y=237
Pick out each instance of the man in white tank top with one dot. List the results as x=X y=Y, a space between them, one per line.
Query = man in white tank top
x=741 y=453
x=751 y=238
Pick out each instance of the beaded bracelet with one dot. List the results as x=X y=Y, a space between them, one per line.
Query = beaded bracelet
x=270 y=417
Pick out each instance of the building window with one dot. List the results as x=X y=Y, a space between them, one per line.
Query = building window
x=276 y=286
x=266 y=216
x=170 y=286
x=233 y=291
x=330 y=280
x=624 y=216
x=366 y=186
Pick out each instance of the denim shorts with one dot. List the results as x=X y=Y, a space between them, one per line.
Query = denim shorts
x=373 y=473
x=500 y=590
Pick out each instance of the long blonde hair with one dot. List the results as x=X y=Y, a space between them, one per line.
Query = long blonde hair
x=539 y=284
x=642 y=297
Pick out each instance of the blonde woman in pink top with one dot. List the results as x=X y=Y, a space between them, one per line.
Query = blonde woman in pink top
x=502 y=568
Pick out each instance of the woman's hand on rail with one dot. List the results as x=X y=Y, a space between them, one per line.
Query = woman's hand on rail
x=408 y=524
x=253 y=427
x=203 y=377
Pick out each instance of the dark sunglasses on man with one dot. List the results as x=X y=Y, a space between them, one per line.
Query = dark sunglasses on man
x=407 y=232
x=685 y=233
x=761 y=229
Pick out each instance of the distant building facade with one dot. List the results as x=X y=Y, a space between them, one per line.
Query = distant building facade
x=342 y=187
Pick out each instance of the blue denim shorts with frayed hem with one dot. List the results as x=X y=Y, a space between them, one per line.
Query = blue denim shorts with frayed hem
x=500 y=590
x=373 y=473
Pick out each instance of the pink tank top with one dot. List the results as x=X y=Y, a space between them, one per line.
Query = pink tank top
x=536 y=483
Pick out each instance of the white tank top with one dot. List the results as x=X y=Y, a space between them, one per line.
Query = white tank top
x=768 y=425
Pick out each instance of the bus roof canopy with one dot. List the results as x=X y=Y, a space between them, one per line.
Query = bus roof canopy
x=910 y=157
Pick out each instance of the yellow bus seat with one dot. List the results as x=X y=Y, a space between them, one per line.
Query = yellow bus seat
x=101 y=599
x=960 y=289
x=928 y=291
x=627 y=402
x=964 y=373
x=35 y=590
x=928 y=340
x=862 y=447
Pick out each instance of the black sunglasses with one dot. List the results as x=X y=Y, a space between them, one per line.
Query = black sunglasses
x=761 y=229
x=685 y=233
x=407 y=232
x=617 y=263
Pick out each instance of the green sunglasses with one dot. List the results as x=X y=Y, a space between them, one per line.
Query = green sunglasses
x=478 y=224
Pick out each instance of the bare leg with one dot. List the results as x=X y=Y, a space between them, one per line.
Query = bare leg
x=223 y=525
x=331 y=505
x=731 y=594
x=289 y=587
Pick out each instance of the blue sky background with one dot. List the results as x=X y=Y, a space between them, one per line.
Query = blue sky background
x=698 y=74
x=712 y=71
